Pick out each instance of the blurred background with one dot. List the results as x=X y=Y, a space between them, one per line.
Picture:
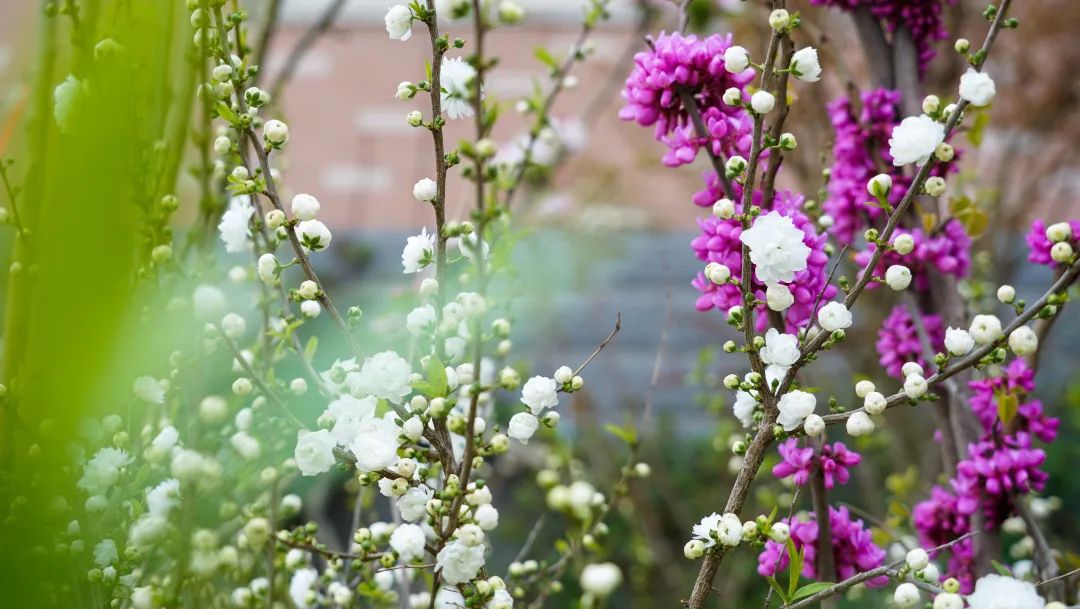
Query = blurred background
x=610 y=236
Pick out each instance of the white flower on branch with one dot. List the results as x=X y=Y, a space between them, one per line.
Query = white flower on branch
x=859 y=424
x=399 y=22
x=600 y=579
x=413 y=503
x=376 y=443
x=762 y=102
x=302 y=587
x=998 y=591
x=314 y=452
x=977 y=87
x=408 y=541
x=457 y=75
x=744 y=407
x=985 y=329
x=305 y=207
x=906 y=595
x=778 y=297
x=419 y=252
x=522 y=426
x=813 y=426
x=458 y=563
x=736 y=60
x=385 y=375
x=233 y=227
x=898 y=277
x=794 y=407
x=780 y=349
x=540 y=392
x=915 y=139
x=1023 y=341
x=276 y=132
x=313 y=235
x=776 y=248
x=805 y=65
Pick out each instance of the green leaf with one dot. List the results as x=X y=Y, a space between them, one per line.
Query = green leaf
x=780 y=591
x=809 y=589
x=546 y=58
x=226 y=113
x=796 y=562
x=978 y=128
x=310 y=347
x=1008 y=405
x=436 y=376
x=626 y=434
x=1001 y=569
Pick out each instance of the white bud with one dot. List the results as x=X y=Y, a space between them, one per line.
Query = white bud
x=813 y=425
x=731 y=381
x=405 y=90
x=931 y=104
x=308 y=289
x=723 y=209
x=903 y=244
x=563 y=375
x=917 y=559
x=762 y=102
x=310 y=308
x=859 y=424
x=958 y=341
x=233 y=325
x=898 y=277
x=906 y=595
x=879 y=185
x=944 y=152
x=778 y=297
x=915 y=386
x=717 y=273
x=694 y=549
x=298 y=386
x=414 y=118
x=1060 y=231
x=732 y=96
x=735 y=165
x=1023 y=341
x=910 y=368
x=425 y=190
x=862 y=388
x=305 y=207
x=1006 y=294
x=222 y=145
x=935 y=186
x=735 y=60
x=1061 y=252
x=875 y=403
x=948 y=600
x=779 y=19
x=276 y=132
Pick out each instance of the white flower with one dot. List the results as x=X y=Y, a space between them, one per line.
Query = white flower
x=780 y=349
x=805 y=65
x=1001 y=592
x=776 y=248
x=161 y=499
x=906 y=595
x=958 y=341
x=142 y=597
x=522 y=426
x=600 y=579
x=376 y=443
x=233 y=325
x=456 y=98
x=729 y=530
x=898 y=277
x=105 y=553
x=310 y=309
x=744 y=407
x=408 y=541
x=166 y=439
x=1023 y=341
x=813 y=426
x=399 y=22
x=233 y=228
x=103 y=470
x=247 y=446
x=268 y=269
x=875 y=402
x=540 y=392
x=704 y=529
x=778 y=297
x=915 y=386
x=419 y=252
x=458 y=562
x=915 y=139
x=985 y=329
x=305 y=207
x=413 y=504
x=834 y=316
x=425 y=190
x=864 y=387
x=313 y=235
x=487 y=517
x=736 y=59
x=794 y=407
x=910 y=368
x=977 y=87
x=762 y=102
x=420 y=320
x=859 y=424
x=148 y=389
x=1006 y=294
x=314 y=452
x=301 y=586
x=347 y=413
x=386 y=375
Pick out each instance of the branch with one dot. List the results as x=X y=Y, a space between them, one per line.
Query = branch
x=1044 y=555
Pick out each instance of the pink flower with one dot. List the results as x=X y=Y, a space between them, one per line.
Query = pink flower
x=853 y=548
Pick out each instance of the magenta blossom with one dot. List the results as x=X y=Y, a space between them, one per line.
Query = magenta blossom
x=1017 y=379
x=995 y=472
x=853 y=548
x=948 y=251
x=677 y=63
x=898 y=340
x=834 y=461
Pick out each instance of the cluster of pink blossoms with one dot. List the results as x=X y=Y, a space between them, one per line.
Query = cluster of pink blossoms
x=853 y=548
x=719 y=242
x=998 y=467
x=948 y=250
x=677 y=63
x=920 y=18
x=1040 y=246
x=833 y=461
x=898 y=340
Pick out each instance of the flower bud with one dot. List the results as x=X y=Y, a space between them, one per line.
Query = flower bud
x=859 y=424
x=735 y=165
x=787 y=141
x=731 y=381
x=779 y=20
x=903 y=244
x=898 y=277
x=732 y=96
x=813 y=425
x=879 y=185
x=414 y=118
x=276 y=132
x=875 y=403
x=944 y=152
x=962 y=45
x=1062 y=252
x=723 y=209
x=717 y=273
x=762 y=102
x=1060 y=231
